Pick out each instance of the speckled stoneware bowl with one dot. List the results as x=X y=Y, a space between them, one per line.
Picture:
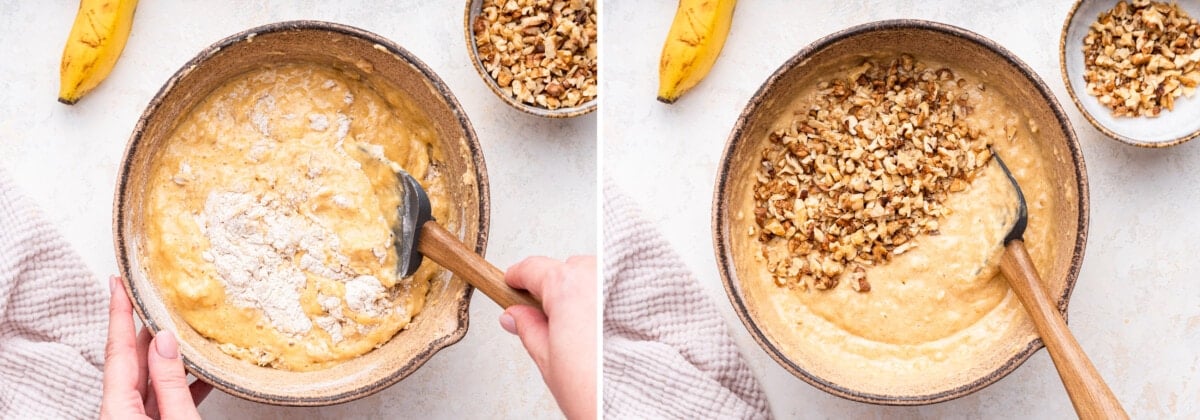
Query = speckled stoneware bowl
x=1167 y=129
x=749 y=287
x=472 y=10
x=444 y=319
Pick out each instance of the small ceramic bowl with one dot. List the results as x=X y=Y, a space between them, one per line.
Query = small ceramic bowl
x=1168 y=129
x=380 y=62
x=473 y=9
x=752 y=291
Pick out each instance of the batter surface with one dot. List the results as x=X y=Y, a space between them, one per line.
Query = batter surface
x=268 y=215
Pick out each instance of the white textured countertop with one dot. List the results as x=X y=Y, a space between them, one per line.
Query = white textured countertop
x=1136 y=307
x=542 y=171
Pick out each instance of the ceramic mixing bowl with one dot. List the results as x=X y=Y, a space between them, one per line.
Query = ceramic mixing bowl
x=381 y=63
x=750 y=287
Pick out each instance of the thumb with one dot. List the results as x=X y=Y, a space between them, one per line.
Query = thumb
x=531 y=325
x=169 y=379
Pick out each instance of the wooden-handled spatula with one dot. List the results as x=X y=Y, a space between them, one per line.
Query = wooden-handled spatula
x=1089 y=394
x=417 y=234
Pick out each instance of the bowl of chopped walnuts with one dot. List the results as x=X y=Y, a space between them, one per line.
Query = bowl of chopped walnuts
x=538 y=56
x=859 y=215
x=1132 y=68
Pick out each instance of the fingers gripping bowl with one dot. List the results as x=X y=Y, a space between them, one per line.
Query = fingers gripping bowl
x=394 y=89
x=935 y=321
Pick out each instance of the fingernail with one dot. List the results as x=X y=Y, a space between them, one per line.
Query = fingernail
x=508 y=323
x=165 y=344
x=114 y=283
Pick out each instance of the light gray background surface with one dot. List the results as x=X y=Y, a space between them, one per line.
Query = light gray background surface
x=542 y=171
x=1136 y=307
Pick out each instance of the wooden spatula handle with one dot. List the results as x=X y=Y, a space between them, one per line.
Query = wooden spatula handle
x=1089 y=394
x=447 y=250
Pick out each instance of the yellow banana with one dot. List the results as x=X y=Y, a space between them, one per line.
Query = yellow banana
x=96 y=41
x=693 y=44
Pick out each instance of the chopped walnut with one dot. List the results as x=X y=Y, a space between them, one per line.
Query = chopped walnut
x=858 y=280
x=863 y=169
x=1139 y=57
x=540 y=52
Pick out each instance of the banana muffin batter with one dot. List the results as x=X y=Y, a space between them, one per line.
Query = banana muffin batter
x=269 y=215
x=935 y=294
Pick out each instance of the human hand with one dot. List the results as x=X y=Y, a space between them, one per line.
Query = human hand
x=144 y=377
x=561 y=341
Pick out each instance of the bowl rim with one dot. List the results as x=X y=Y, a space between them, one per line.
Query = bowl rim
x=473 y=52
x=720 y=224
x=1062 y=65
x=123 y=245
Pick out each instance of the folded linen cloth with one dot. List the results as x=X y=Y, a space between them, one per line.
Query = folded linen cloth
x=667 y=353
x=53 y=318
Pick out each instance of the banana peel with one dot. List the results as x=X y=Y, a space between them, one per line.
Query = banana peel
x=695 y=40
x=97 y=38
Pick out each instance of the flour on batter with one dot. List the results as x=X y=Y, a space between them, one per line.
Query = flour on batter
x=269 y=213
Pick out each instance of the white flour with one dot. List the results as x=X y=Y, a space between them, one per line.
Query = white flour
x=251 y=242
x=263 y=249
x=332 y=324
x=365 y=295
x=259 y=149
x=343 y=127
x=259 y=115
x=318 y=122
x=253 y=246
x=254 y=242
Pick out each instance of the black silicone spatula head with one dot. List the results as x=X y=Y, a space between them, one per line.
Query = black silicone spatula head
x=1018 y=229
x=414 y=211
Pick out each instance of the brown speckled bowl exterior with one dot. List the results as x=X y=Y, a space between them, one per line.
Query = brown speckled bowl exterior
x=472 y=9
x=966 y=50
x=1067 y=75
x=443 y=321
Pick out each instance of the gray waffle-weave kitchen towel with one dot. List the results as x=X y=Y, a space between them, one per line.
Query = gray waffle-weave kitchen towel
x=667 y=352
x=53 y=319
